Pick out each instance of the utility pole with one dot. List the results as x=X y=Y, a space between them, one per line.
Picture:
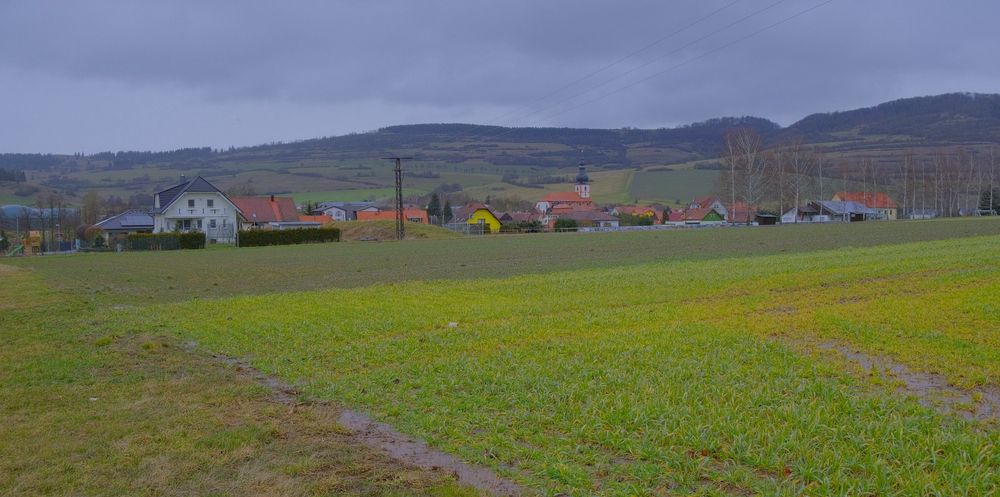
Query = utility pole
x=400 y=229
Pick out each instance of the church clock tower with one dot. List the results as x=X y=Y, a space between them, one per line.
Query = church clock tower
x=582 y=182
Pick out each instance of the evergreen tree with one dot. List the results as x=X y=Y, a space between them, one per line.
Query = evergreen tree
x=434 y=206
x=446 y=214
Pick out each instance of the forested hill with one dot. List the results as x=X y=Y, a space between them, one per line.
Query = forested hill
x=922 y=121
x=954 y=117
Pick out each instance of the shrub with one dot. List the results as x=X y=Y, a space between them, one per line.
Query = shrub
x=165 y=241
x=259 y=238
x=564 y=224
x=522 y=227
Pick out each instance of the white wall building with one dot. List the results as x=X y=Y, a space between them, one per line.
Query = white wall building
x=345 y=211
x=196 y=206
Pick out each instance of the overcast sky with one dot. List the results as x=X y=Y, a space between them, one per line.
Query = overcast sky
x=130 y=74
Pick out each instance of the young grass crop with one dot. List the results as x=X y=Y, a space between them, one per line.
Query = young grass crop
x=682 y=377
x=91 y=406
x=185 y=275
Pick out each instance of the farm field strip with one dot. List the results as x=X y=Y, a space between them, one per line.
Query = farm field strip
x=133 y=278
x=682 y=377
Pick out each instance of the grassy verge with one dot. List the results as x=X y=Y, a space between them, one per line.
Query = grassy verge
x=92 y=405
x=386 y=231
x=694 y=377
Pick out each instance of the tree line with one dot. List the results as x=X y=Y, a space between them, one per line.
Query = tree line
x=12 y=175
x=951 y=182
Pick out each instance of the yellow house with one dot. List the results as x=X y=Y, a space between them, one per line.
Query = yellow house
x=478 y=214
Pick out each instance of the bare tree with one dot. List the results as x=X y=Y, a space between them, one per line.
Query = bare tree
x=778 y=159
x=747 y=166
x=992 y=176
x=820 y=159
x=801 y=164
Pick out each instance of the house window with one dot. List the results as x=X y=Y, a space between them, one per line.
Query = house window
x=199 y=224
x=211 y=222
x=191 y=202
x=211 y=203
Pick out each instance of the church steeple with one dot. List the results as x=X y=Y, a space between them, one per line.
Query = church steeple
x=582 y=182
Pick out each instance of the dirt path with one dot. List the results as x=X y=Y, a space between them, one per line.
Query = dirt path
x=932 y=390
x=385 y=438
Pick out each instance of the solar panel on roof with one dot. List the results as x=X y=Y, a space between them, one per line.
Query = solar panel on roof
x=137 y=221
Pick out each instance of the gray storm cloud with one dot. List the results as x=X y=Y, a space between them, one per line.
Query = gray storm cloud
x=91 y=76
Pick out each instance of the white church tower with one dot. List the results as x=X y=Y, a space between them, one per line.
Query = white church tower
x=582 y=183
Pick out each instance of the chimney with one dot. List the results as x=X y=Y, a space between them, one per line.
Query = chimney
x=184 y=179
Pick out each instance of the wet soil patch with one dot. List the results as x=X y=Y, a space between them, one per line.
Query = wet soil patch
x=932 y=390
x=383 y=437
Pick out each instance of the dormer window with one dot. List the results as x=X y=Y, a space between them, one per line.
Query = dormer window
x=191 y=202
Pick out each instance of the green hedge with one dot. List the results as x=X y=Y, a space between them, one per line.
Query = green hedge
x=258 y=238
x=164 y=241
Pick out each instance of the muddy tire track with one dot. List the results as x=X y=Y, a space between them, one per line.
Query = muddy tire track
x=383 y=437
x=931 y=390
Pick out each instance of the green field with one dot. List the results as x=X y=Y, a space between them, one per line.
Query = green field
x=670 y=186
x=351 y=195
x=695 y=362
x=91 y=406
x=222 y=271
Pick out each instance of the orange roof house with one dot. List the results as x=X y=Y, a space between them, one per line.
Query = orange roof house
x=260 y=211
x=410 y=214
x=739 y=213
x=570 y=198
x=873 y=200
x=321 y=219
x=884 y=206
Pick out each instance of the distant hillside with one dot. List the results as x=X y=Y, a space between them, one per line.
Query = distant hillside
x=955 y=117
x=494 y=161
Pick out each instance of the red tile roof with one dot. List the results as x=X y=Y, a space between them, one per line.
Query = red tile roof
x=391 y=215
x=466 y=211
x=697 y=214
x=705 y=201
x=322 y=219
x=267 y=209
x=737 y=213
x=872 y=200
x=563 y=208
x=523 y=216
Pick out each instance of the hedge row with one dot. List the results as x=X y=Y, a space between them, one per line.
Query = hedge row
x=164 y=241
x=258 y=238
